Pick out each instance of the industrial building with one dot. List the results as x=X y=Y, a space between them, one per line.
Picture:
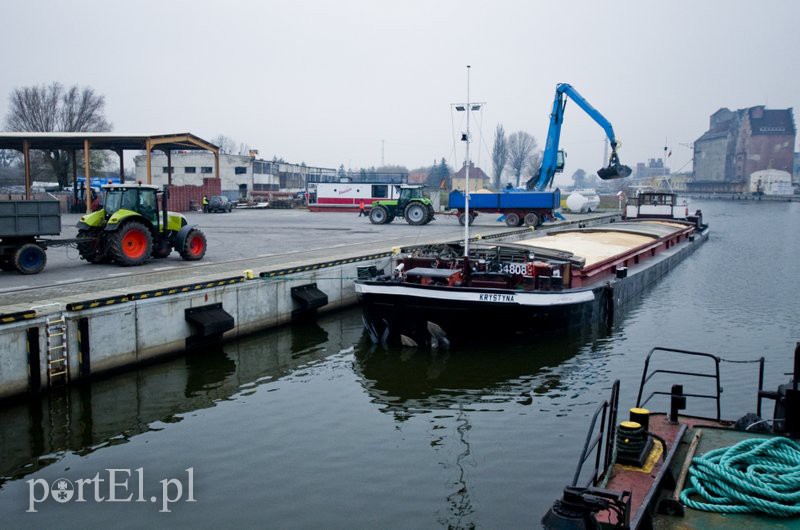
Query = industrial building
x=740 y=143
x=241 y=176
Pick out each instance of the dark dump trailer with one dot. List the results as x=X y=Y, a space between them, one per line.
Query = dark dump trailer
x=22 y=223
x=519 y=207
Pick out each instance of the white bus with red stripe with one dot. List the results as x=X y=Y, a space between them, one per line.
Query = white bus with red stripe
x=347 y=196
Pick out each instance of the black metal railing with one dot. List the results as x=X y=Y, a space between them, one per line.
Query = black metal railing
x=647 y=375
x=595 y=438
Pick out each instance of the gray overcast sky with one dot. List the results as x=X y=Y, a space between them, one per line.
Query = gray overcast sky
x=325 y=82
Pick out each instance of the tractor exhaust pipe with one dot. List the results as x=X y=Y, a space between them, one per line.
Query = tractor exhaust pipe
x=164 y=204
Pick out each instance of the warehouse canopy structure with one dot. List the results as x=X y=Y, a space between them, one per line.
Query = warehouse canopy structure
x=119 y=143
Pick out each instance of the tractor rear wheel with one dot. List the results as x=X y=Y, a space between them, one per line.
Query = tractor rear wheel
x=131 y=244
x=30 y=258
x=416 y=213
x=378 y=215
x=92 y=250
x=194 y=246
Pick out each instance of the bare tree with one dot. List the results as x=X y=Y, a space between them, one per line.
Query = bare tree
x=499 y=154
x=52 y=108
x=521 y=146
x=226 y=144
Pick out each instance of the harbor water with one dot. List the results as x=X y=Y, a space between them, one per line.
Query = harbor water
x=310 y=426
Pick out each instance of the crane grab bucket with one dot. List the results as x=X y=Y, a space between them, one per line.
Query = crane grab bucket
x=614 y=171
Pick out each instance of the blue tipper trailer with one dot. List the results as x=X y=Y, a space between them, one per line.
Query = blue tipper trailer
x=528 y=207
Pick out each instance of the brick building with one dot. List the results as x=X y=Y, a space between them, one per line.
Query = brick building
x=739 y=143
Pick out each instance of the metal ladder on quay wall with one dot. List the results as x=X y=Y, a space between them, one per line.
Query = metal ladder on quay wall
x=57 y=351
x=57 y=354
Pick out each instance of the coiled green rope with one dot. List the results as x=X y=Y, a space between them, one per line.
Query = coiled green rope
x=755 y=475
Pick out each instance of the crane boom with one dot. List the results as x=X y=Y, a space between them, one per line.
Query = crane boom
x=552 y=162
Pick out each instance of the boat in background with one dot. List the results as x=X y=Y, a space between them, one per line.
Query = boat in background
x=672 y=470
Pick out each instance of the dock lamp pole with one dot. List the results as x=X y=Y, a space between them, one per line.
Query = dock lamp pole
x=465 y=137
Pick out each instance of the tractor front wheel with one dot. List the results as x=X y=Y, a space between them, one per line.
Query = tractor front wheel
x=416 y=213
x=378 y=215
x=131 y=245
x=194 y=246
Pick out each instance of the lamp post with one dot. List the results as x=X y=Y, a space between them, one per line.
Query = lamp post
x=465 y=137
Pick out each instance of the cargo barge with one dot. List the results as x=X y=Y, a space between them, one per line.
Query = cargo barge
x=568 y=278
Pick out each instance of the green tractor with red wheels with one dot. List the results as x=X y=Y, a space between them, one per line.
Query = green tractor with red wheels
x=130 y=229
x=411 y=205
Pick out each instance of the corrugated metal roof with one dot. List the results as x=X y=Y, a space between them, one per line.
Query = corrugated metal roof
x=100 y=140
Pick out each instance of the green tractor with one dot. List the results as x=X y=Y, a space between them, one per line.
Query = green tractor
x=411 y=205
x=130 y=228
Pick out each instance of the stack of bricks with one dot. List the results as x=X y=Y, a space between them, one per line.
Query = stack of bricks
x=182 y=197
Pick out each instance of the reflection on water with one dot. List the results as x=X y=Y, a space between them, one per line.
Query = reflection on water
x=404 y=381
x=450 y=386
x=109 y=411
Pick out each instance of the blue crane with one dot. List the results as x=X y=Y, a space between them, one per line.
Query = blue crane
x=553 y=158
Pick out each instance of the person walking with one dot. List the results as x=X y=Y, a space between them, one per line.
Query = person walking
x=205 y=204
x=362 y=209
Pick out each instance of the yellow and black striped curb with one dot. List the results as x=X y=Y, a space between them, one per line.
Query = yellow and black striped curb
x=168 y=291
x=154 y=293
x=9 y=318
x=98 y=302
x=323 y=265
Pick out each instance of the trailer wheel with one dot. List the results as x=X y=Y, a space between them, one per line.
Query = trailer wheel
x=512 y=219
x=532 y=219
x=463 y=216
x=378 y=215
x=416 y=213
x=30 y=258
x=194 y=247
x=131 y=244
x=92 y=249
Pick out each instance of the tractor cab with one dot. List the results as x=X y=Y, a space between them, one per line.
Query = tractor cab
x=141 y=199
x=407 y=193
